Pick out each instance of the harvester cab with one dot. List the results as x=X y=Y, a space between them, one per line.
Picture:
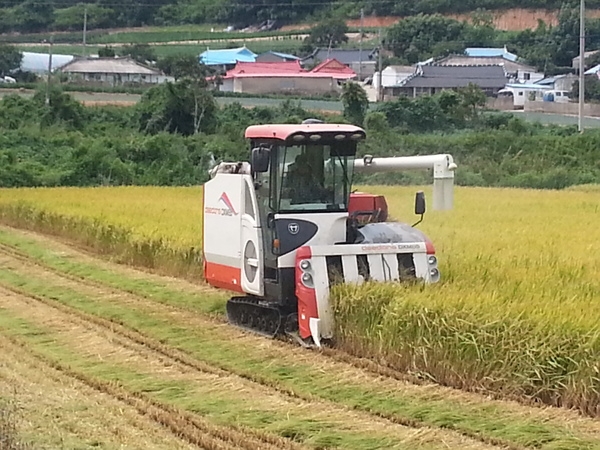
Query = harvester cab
x=281 y=229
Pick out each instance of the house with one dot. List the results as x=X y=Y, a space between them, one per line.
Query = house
x=227 y=58
x=363 y=62
x=490 y=52
x=277 y=77
x=113 y=71
x=335 y=69
x=38 y=62
x=393 y=76
x=520 y=93
x=429 y=80
x=575 y=61
x=272 y=56
x=517 y=71
x=559 y=82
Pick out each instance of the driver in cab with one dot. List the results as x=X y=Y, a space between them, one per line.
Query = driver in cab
x=304 y=187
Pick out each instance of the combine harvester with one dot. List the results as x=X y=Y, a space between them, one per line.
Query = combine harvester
x=282 y=228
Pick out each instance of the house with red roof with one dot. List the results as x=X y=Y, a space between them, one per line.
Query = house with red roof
x=336 y=69
x=285 y=77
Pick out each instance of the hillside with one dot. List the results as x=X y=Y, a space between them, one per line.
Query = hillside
x=26 y=16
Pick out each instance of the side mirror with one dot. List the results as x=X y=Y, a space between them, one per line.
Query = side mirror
x=420 y=207
x=259 y=159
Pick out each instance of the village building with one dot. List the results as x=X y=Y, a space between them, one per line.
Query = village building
x=430 y=80
x=226 y=59
x=517 y=71
x=393 y=76
x=38 y=62
x=284 y=77
x=272 y=56
x=113 y=72
x=362 y=62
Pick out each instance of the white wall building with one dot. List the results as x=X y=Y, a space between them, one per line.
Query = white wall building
x=113 y=71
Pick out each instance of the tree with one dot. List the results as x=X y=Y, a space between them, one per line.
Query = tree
x=32 y=16
x=72 y=18
x=10 y=59
x=591 y=88
x=142 y=53
x=329 y=33
x=472 y=98
x=106 y=52
x=356 y=103
x=416 y=38
x=183 y=66
x=184 y=107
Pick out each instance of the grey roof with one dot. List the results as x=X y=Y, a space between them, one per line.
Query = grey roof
x=344 y=56
x=463 y=60
x=486 y=77
x=108 y=65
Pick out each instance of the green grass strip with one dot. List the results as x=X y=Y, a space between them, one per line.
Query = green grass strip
x=220 y=406
x=492 y=421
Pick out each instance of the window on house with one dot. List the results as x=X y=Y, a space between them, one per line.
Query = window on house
x=527 y=76
x=521 y=94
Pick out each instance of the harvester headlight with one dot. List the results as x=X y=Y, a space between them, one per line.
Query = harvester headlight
x=307 y=279
x=434 y=273
x=305 y=264
x=432 y=260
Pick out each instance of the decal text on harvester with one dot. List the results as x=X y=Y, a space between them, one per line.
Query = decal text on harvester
x=229 y=210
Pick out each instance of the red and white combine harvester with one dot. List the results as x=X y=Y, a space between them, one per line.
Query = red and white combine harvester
x=282 y=228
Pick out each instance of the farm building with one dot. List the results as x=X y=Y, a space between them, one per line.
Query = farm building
x=362 y=62
x=227 y=58
x=393 y=75
x=113 y=71
x=517 y=71
x=277 y=77
x=38 y=62
x=272 y=56
x=336 y=69
x=429 y=80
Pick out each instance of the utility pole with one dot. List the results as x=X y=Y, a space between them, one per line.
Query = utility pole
x=49 y=70
x=360 y=45
x=581 y=63
x=380 y=73
x=84 y=31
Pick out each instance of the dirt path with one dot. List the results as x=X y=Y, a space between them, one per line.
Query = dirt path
x=336 y=372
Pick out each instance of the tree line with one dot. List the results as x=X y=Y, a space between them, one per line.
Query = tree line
x=30 y=16
x=177 y=130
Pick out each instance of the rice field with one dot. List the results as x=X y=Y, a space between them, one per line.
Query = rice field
x=516 y=313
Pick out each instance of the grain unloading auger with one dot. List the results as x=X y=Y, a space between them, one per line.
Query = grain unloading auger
x=280 y=229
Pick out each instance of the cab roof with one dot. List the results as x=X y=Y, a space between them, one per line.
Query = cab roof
x=285 y=132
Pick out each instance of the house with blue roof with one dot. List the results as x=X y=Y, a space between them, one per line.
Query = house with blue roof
x=490 y=52
x=227 y=58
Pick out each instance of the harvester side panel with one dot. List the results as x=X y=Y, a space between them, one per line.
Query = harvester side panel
x=222 y=224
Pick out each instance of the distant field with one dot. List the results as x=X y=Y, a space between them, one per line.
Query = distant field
x=258 y=46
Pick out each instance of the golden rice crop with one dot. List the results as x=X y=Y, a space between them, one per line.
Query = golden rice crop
x=154 y=227
x=517 y=311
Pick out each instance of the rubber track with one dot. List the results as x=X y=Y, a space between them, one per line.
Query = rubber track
x=182 y=358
